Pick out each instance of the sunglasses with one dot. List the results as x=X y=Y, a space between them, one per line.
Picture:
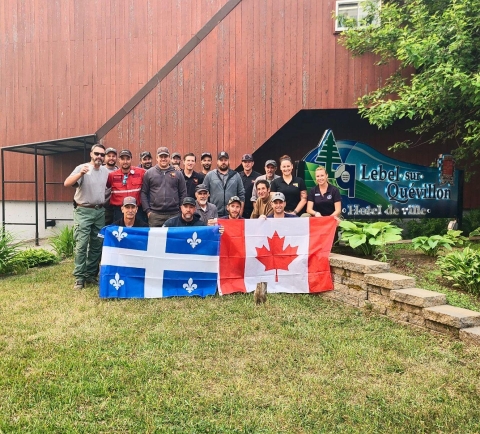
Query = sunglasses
x=125 y=177
x=99 y=154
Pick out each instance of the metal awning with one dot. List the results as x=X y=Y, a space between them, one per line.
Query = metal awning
x=43 y=149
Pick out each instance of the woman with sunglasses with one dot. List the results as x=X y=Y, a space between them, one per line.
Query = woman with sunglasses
x=292 y=187
x=324 y=199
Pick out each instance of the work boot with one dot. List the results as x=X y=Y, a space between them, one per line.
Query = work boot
x=79 y=284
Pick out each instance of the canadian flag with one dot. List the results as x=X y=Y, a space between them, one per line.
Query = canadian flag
x=290 y=254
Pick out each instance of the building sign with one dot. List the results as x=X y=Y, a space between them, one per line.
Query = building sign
x=373 y=185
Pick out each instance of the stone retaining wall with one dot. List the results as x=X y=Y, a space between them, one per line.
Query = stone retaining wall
x=369 y=284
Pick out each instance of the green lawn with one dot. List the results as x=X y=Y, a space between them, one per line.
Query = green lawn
x=70 y=362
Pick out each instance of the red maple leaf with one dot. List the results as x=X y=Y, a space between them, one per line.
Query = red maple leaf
x=277 y=258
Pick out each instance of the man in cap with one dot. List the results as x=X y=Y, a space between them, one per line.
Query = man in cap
x=263 y=205
x=110 y=163
x=124 y=182
x=145 y=160
x=270 y=168
x=163 y=190
x=187 y=217
x=111 y=159
x=223 y=183
x=248 y=176
x=192 y=178
x=206 y=162
x=234 y=208
x=129 y=211
x=90 y=180
x=278 y=203
x=207 y=211
x=176 y=160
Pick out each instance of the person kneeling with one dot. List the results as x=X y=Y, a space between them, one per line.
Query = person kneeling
x=278 y=201
x=187 y=217
x=129 y=210
x=234 y=208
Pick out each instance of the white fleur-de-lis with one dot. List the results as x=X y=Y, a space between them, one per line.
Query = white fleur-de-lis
x=120 y=235
x=190 y=286
x=194 y=240
x=117 y=283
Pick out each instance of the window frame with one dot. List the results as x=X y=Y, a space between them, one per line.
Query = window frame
x=338 y=3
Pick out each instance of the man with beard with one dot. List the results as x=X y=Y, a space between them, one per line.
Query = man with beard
x=206 y=210
x=206 y=162
x=234 y=208
x=163 y=190
x=263 y=205
x=248 y=178
x=124 y=182
x=145 y=160
x=278 y=201
x=129 y=211
x=192 y=178
x=223 y=183
x=176 y=160
x=90 y=180
x=110 y=164
x=270 y=168
x=187 y=217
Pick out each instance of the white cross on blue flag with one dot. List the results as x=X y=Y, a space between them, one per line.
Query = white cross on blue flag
x=159 y=262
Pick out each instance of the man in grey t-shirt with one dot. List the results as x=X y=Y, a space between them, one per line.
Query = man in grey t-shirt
x=90 y=180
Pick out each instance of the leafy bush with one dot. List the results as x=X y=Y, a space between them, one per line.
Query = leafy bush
x=475 y=233
x=457 y=237
x=426 y=227
x=369 y=238
x=35 y=257
x=471 y=221
x=9 y=247
x=63 y=242
x=431 y=245
x=463 y=269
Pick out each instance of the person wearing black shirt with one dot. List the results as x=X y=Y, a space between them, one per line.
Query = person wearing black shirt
x=324 y=199
x=187 y=217
x=248 y=179
x=293 y=187
x=129 y=211
x=192 y=178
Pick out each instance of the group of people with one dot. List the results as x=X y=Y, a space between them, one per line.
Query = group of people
x=110 y=190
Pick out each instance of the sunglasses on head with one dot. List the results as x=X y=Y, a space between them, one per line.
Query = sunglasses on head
x=99 y=154
x=125 y=177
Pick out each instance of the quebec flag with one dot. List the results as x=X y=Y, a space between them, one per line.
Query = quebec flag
x=159 y=262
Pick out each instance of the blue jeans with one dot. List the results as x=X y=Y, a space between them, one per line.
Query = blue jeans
x=88 y=246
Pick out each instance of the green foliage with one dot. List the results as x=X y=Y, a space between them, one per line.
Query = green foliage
x=475 y=233
x=463 y=269
x=63 y=242
x=35 y=257
x=369 y=238
x=436 y=45
x=431 y=245
x=471 y=221
x=426 y=227
x=457 y=237
x=9 y=247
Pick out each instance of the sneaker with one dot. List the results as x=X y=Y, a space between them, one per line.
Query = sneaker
x=79 y=284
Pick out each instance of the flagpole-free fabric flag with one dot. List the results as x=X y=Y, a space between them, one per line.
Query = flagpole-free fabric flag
x=159 y=262
x=291 y=255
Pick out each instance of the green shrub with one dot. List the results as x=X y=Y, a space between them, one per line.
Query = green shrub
x=431 y=245
x=463 y=269
x=426 y=227
x=63 y=242
x=9 y=247
x=457 y=237
x=471 y=221
x=36 y=257
x=474 y=233
x=369 y=238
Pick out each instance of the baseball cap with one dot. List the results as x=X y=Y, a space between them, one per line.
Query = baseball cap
x=176 y=154
x=145 y=154
x=125 y=152
x=130 y=200
x=278 y=196
x=247 y=157
x=271 y=162
x=222 y=154
x=201 y=187
x=108 y=150
x=189 y=201
x=234 y=199
x=163 y=151
x=205 y=154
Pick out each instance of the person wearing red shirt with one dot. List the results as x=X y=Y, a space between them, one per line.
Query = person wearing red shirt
x=125 y=182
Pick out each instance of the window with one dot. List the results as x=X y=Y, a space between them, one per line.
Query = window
x=350 y=10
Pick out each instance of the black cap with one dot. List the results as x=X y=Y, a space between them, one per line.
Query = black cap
x=125 y=152
x=189 y=201
x=176 y=154
x=201 y=187
x=205 y=154
x=222 y=154
x=145 y=154
x=247 y=157
x=234 y=199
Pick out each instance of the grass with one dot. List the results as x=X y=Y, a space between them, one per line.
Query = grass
x=71 y=363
